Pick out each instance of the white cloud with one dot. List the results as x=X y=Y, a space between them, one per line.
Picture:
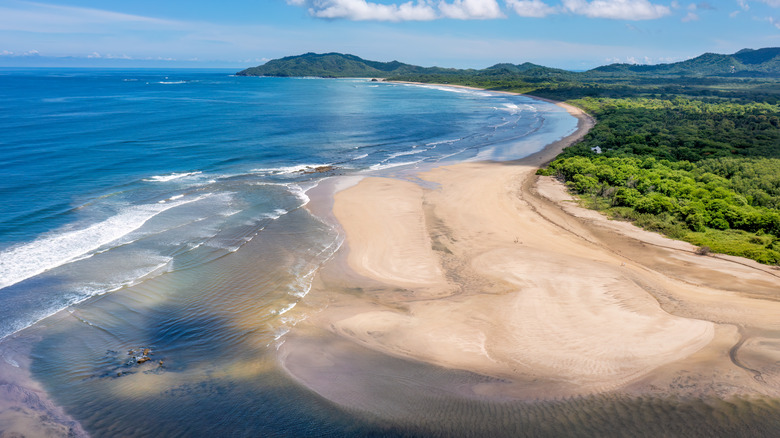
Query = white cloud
x=772 y=3
x=773 y=22
x=531 y=8
x=421 y=10
x=424 y=10
x=690 y=17
x=361 y=10
x=471 y=9
x=743 y=4
x=617 y=9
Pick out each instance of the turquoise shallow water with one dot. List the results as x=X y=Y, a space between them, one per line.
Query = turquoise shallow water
x=164 y=211
x=161 y=212
x=110 y=177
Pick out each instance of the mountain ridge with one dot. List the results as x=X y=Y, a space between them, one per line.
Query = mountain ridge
x=764 y=62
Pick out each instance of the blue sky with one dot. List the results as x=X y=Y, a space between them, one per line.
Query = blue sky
x=571 y=34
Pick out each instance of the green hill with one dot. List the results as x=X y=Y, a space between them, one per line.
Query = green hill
x=745 y=63
x=328 y=65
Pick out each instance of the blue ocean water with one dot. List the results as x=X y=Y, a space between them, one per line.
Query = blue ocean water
x=112 y=177
x=164 y=212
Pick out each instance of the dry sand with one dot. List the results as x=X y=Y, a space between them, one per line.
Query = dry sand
x=496 y=272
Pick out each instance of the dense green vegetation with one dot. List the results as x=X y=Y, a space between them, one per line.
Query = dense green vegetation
x=680 y=128
x=335 y=65
x=746 y=63
x=697 y=159
x=704 y=172
x=703 y=203
x=690 y=149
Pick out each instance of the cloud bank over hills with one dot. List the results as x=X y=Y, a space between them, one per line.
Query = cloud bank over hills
x=425 y=10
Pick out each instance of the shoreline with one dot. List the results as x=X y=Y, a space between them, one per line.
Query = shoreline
x=462 y=291
x=497 y=273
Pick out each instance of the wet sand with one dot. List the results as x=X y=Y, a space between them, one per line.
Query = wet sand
x=25 y=408
x=503 y=289
x=468 y=300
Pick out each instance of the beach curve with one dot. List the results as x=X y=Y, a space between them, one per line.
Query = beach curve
x=494 y=271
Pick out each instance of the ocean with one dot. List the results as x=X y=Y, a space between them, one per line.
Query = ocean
x=165 y=211
x=112 y=177
x=166 y=215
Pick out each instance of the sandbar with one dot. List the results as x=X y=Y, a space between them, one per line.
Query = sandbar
x=495 y=272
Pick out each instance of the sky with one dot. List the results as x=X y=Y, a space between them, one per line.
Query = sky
x=570 y=34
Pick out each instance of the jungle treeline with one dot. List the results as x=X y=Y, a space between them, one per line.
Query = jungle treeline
x=697 y=159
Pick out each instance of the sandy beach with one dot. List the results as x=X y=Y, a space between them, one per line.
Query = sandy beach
x=405 y=296
x=501 y=287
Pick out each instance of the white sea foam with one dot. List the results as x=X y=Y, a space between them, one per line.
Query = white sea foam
x=436 y=143
x=229 y=212
x=171 y=177
x=454 y=90
x=287 y=170
x=511 y=108
x=297 y=190
x=130 y=278
x=286 y=308
x=277 y=213
x=133 y=277
x=300 y=193
x=281 y=332
x=227 y=246
x=391 y=165
x=9 y=360
x=48 y=252
x=403 y=153
x=172 y=198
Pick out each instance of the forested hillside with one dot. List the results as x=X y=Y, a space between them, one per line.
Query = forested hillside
x=744 y=64
x=334 y=65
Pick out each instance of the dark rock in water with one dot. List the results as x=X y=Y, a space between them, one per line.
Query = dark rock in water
x=318 y=169
x=374 y=80
x=140 y=355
